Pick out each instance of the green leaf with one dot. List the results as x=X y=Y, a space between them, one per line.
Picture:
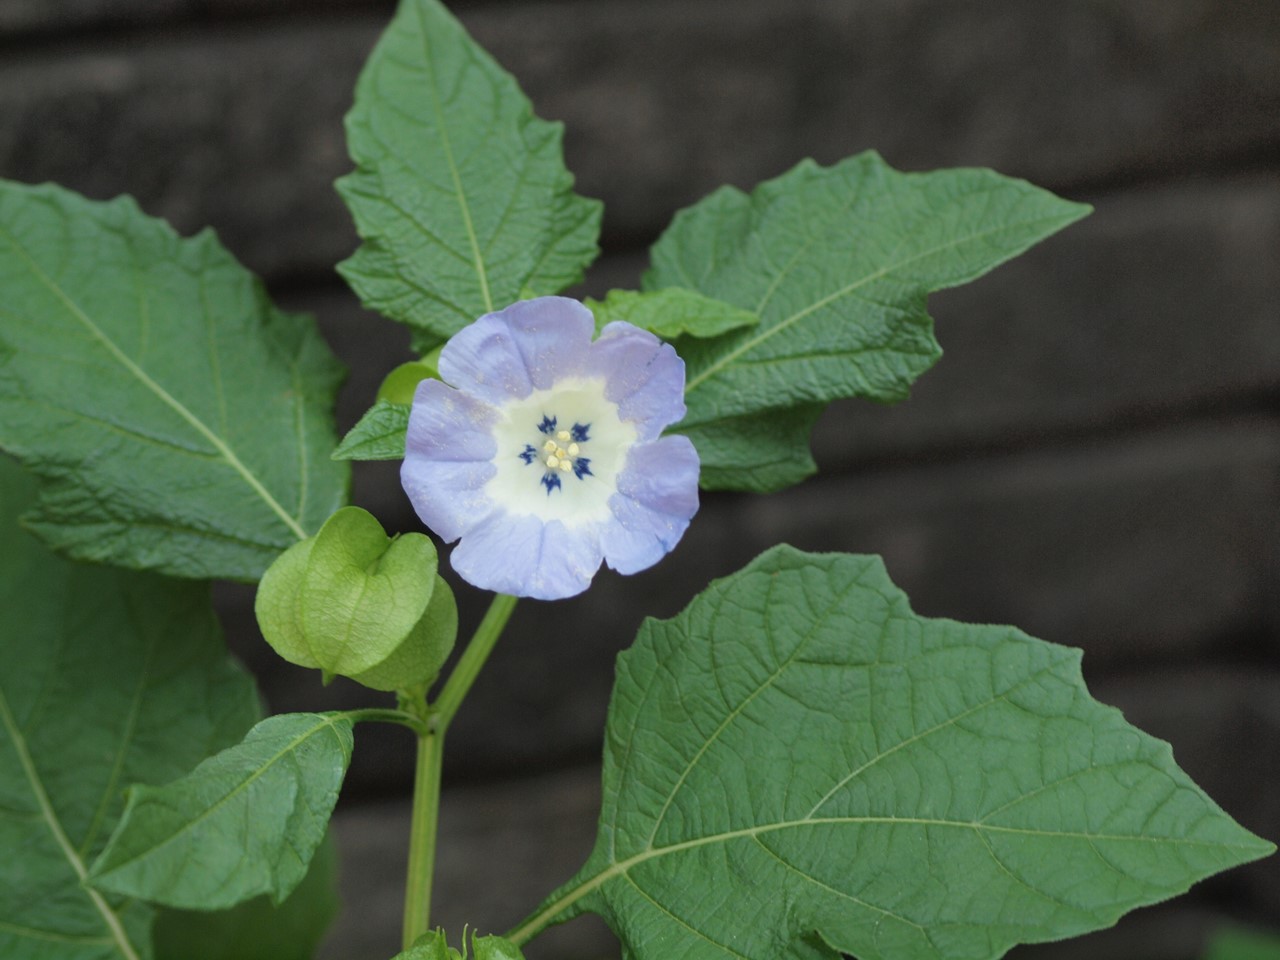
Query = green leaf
x=109 y=677
x=837 y=262
x=762 y=452
x=460 y=193
x=246 y=821
x=797 y=765
x=178 y=421
x=671 y=312
x=378 y=436
x=256 y=929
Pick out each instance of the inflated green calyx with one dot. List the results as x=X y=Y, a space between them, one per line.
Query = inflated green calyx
x=355 y=602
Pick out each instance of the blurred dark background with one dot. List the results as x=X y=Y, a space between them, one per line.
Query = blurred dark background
x=1095 y=459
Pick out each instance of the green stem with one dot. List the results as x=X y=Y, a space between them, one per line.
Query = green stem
x=422 y=837
x=381 y=715
x=472 y=659
x=426 y=783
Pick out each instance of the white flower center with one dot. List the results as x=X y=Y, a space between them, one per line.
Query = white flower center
x=559 y=452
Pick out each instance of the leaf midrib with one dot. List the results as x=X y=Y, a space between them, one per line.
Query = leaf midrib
x=786 y=323
x=50 y=817
x=622 y=867
x=328 y=722
x=463 y=204
x=163 y=395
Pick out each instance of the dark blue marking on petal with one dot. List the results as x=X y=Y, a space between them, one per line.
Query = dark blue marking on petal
x=579 y=432
x=551 y=481
x=548 y=425
x=528 y=455
x=582 y=468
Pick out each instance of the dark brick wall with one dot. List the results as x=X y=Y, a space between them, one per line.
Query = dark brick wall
x=1096 y=459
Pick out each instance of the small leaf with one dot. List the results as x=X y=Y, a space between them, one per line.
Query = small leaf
x=246 y=821
x=460 y=193
x=109 y=677
x=797 y=766
x=177 y=420
x=256 y=929
x=378 y=436
x=837 y=263
x=671 y=312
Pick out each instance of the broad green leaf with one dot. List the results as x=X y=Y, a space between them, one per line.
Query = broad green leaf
x=257 y=930
x=797 y=765
x=761 y=452
x=110 y=677
x=460 y=193
x=671 y=312
x=378 y=436
x=1240 y=943
x=837 y=263
x=177 y=420
x=244 y=822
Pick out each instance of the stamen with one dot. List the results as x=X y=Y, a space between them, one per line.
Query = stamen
x=553 y=461
x=573 y=449
x=566 y=465
x=549 y=446
x=563 y=435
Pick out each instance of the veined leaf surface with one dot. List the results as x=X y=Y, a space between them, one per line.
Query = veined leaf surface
x=837 y=262
x=460 y=193
x=798 y=765
x=245 y=822
x=178 y=421
x=110 y=677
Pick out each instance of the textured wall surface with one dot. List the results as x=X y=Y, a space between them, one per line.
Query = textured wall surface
x=1096 y=459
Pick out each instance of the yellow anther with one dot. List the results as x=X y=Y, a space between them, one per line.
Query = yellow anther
x=560 y=452
x=553 y=461
x=549 y=446
x=563 y=435
x=566 y=466
x=573 y=449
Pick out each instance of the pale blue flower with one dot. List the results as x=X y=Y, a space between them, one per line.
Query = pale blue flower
x=541 y=450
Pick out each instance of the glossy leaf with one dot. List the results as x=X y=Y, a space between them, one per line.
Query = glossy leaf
x=110 y=677
x=798 y=765
x=257 y=929
x=671 y=312
x=837 y=263
x=460 y=194
x=177 y=420
x=244 y=822
x=378 y=436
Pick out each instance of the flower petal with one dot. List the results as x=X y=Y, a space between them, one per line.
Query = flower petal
x=448 y=454
x=643 y=376
x=657 y=496
x=524 y=347
x=523 y=556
